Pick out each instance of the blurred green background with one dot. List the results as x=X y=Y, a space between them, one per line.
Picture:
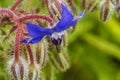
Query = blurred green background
x=93 y=48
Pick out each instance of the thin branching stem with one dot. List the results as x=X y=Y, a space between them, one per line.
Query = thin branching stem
x=17 y=2
x=9 y=12
x=36 y=16
x=17 y=41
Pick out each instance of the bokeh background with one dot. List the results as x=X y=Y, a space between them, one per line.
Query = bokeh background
x=93 y=48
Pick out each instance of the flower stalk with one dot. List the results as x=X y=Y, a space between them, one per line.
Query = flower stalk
x=36 y=16
x=17 y=2
x=30 y=53
x=17 y=41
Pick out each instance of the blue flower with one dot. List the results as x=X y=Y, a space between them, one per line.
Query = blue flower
x=37 y=32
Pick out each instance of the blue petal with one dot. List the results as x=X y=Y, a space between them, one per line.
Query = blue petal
x=82 y=13
x=67 y=17
x=33 y=40
x=36 y=33
x=36 y=40
x=74 y=21
x=25 y=40
x=35 y=30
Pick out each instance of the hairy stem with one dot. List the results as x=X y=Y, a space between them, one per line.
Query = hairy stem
x=30 y=53
x=9 y=12
x=17 y=41
x=15 y=4
x=36 y=16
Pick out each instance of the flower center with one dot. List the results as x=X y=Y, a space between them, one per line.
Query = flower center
x=57 y=38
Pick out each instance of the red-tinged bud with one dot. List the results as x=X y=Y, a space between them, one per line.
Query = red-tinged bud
x=33 y=73
x=54 y=8
x=18 y=69
x=72 y=6
x=106 y=10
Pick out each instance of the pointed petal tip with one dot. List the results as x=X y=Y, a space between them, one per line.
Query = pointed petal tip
x=24 y=40
x=82 y=13
x=66 y=18
x=65 y=9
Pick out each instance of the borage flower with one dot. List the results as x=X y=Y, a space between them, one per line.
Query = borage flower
x=37 y=32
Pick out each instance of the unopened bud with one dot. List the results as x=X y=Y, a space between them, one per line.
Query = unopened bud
x=89 y=5
x=41 y=52
x=33 y=73
x=72 y=7
x=54 y=8
x=106 y=10
x=60 y=61
x=18 y=69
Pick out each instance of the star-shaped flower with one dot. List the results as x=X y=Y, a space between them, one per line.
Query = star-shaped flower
x=37 y=32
